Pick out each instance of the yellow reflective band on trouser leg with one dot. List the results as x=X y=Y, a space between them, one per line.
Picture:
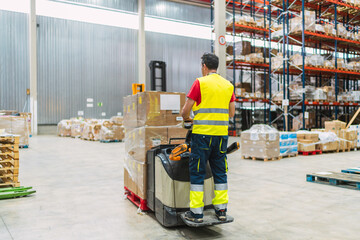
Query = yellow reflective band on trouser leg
x=196 y=198
x=221 y=196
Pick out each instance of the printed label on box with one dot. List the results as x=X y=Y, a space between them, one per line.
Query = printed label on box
x=272 y=136
x=179 y=119
x=169 y=102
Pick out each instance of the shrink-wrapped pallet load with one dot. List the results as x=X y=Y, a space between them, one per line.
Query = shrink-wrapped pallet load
x=260 y=141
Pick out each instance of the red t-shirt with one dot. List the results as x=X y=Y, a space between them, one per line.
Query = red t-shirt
x=195 y=93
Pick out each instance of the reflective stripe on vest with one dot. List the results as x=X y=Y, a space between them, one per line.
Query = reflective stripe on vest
x=212 y=110
x=211 y=122
x=212 y=114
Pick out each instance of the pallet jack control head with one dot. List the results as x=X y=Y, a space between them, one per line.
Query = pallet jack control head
x=177 y=151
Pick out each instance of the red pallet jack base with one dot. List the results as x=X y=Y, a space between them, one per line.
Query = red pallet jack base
x=135 y=199
x=310 y=153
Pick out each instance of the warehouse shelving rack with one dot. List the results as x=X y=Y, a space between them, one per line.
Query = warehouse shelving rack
x=281 y=11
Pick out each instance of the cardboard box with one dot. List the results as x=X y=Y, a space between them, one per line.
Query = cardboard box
x=306 y=146
x=111 y=131
x=159 y=108
x=330 y=146
x=139 y=140
x=312 y=136
x=335 y=125
x=117 y=120
x=260 y=149
x=16 y=125
x=130 y=111
x=135 y=174
x=176 y=132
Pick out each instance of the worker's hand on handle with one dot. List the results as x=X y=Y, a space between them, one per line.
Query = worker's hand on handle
x=187 y=123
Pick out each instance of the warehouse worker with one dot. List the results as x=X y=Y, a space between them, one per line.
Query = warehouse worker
x=212 y=101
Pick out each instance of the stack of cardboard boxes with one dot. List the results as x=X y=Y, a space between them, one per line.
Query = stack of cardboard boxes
x=17 y=125
x=347 y=137
x=260 y=141
x=150 y=119
x=307 y=141
x=64 y=128
x=357 y=129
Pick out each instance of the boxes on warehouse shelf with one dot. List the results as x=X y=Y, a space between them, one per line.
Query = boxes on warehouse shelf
x=240 y=92
x=153 y=109
x=241 y=48
x=246 y=86
x=111 y=131
x=9 y=161
x=135 y=176
x=16 y=125
x=64 y=128
x=260 y=141
x=288 y=143
x=309 y=121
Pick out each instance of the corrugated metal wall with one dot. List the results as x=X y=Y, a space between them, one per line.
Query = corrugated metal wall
x=126 y=5
x=79 y=60
x=14 y=62
x=182 y=56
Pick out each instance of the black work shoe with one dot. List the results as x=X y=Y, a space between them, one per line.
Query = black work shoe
x=190 y=216
x=221 y=215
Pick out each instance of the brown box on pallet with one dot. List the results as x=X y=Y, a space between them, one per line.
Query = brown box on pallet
x=130 y=111
x=16 y=125
x=347 y=134
x=159 y=108
x=139 y=140
x=329 y=146
x=135 y=176
x=246 y=86
x=312 y=136
x=260 y=149
x=335 y=125
x=306 y=146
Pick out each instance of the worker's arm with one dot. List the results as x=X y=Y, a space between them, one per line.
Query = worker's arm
x=185 y=113
x=232 y=109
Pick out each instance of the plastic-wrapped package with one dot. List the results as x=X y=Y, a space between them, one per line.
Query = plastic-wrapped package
x=315 y=60
x=245 y=20
x=329 y=64
x=330 y=29
x=260 y=141
x=77 y=126
x=310 y=18
x=277 y=62
x=341 y=31
x=111 y=132
x=137 y=142
x=357 y=129
x=288 y=143
x=28 y=120
x=16 y=125
x=307 y=141
x=64 y=128
x=319 y=94
x=91 y=131
x=117 y=120
x=319 y=28
x=355 y=95
x=153 y=109
x=254 y=57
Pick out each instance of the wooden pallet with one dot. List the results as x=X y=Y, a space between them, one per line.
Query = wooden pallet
x=346 y=180
x=262 y=159
x=351 y=170
x=289 y=155
x=331 y=151
x=87 y=139
x=110 y=141
x=9 y=139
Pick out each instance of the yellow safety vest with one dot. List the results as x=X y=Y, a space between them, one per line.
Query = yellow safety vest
x=212 y=114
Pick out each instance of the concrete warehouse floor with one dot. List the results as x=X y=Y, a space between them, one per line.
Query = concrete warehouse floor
x=80 y=196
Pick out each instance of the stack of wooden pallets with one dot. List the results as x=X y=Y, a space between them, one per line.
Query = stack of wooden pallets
x=9 y=160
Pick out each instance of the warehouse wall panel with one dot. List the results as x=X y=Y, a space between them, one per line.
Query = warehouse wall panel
x=79 y=60
x=14 y=63
x=179 y=11
x=182 y=56
x=127 y=5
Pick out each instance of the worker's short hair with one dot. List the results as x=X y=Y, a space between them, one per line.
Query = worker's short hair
x=210 y=60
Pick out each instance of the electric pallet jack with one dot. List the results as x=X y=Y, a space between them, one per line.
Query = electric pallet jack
x=168 y=186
